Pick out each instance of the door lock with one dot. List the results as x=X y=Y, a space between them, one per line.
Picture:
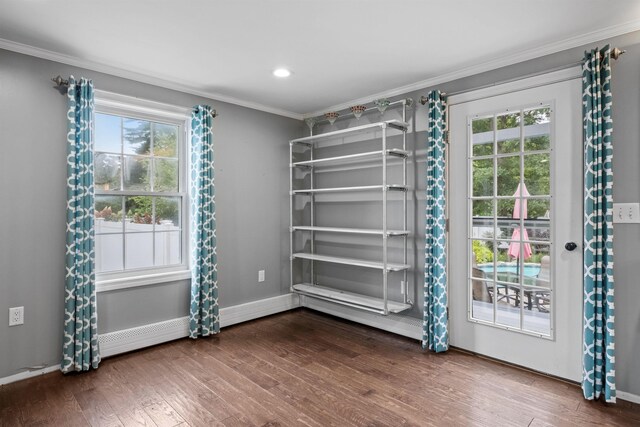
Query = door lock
x=570 y=246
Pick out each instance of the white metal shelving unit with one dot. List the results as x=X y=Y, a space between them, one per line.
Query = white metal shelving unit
x=312 y=289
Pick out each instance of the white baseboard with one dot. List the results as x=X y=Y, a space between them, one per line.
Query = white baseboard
x=629 y=397
x=401 y=325
x=28 y=374
x=125 y=340
x=255 y=309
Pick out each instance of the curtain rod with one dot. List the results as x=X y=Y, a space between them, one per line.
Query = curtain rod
x=62 y=83
x=615 y=54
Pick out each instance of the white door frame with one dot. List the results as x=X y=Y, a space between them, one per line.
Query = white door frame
x=481 y=339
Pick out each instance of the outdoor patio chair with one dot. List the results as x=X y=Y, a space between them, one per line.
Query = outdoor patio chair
x=542 y=299
x=480 y=290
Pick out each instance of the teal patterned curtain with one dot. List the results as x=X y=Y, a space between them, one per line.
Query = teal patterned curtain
x=203 y=319
x=435 y=335
x=598 y=367
x=80 y=350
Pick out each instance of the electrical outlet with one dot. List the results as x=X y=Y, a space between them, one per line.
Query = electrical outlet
x=626 y=212
x=16 y=316
x=261 y=276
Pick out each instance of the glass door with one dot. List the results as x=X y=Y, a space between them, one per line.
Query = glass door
x=515 y=201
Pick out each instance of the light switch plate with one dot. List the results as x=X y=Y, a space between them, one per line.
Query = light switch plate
x=261 y=276
x=626 y=213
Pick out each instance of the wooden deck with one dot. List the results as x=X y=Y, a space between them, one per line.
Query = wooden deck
x=302 y=368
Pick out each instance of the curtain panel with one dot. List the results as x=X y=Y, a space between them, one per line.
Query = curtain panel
x=599 y=328
x=435 y=334
x=204 y=314
x=80 y=350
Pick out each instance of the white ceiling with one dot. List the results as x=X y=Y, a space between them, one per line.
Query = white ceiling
x=338 y=51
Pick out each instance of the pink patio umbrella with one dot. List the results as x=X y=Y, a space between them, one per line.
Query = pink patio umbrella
x=514 y=247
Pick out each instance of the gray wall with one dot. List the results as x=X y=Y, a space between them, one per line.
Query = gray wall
x=252 y=210
x=251 y=168
x=364 y=213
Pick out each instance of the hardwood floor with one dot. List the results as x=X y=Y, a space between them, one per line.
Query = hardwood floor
x=302 y=368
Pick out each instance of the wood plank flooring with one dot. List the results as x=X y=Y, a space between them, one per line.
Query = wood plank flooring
x=302 y=368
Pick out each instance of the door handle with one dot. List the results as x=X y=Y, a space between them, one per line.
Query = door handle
x=570 y=246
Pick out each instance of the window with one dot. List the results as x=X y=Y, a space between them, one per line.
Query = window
x=140 y=197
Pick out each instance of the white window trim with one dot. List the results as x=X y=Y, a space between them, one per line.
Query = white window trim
x=133 y=281
x=123 y=105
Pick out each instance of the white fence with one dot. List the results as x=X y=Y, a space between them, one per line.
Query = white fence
x=140 y=246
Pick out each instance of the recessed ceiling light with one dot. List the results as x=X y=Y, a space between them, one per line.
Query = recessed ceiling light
x=281 y=72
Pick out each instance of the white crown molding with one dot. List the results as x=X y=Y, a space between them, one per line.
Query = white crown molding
x=525 y=55
x=548 y=49
x=138 y=76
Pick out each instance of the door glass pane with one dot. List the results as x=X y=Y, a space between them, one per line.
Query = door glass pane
x=510 y=259
x=482 y=131
x=482 y=257
x=508 y=305
x=481 y=280
x=537 y=175
x=482 y=219
x=482 y=291
x=507 y=225
x=508 y=175
x=537 y=304
x=538 y=220
x=537 y=129
x=508 y=136
x=483 y=177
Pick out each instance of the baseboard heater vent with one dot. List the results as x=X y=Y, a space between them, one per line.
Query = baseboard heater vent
x=143 y=336
x=125 y=340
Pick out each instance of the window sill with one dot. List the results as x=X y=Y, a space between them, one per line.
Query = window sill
x=141 y=280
